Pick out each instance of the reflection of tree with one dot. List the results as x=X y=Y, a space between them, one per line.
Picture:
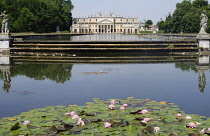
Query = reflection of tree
x=186 y=66
x=59 y=73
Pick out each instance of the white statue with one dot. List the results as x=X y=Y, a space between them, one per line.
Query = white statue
x=4 y=27
x=204 y=22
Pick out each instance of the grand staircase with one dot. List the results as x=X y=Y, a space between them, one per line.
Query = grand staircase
x=104 y=46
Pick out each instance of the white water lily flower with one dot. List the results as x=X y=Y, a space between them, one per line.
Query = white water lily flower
x=156 y=129
x=188 y=117
x=107 y=124
x=26 y=122
x=75 y=117
x=80 y=122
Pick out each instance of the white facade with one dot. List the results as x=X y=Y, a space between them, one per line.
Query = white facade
x=105 y=24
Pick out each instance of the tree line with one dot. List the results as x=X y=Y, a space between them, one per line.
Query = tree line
x=186 y=17
x=37 y=15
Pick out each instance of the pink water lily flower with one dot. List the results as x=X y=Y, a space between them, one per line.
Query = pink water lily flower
x=191 y=125
x=67 y=114
x=147 y=119
x=188 y=117
x=26 y=122
x=203 y=131
x=179 y=115
x=144 y=111
x=125 y=105
x=70 y=114
x=144 y=121
x=111 y=106
x=75 y=117
x=73 y=113
x=80 y=122
x=208 y=129
x=156 y=129
x=113 y=101
x=122 y=108
x=107 y=125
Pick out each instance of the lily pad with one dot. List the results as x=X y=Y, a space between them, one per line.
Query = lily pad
x=52 y=120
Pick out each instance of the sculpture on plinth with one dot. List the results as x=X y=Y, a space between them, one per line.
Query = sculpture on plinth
x=203 y=37
x=203 y=23
x=5 y=21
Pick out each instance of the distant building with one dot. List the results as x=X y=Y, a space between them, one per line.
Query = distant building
x=153 y=28
x=106 y=24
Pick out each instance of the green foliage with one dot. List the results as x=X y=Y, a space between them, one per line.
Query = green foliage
x=186 y=66
x=146 y=32
x=186 y=17
x=170 y=46
x=37 y=15
x=56 y=120
x=55 y=72
x=148 y=23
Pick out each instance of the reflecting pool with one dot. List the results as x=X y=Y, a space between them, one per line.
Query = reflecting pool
x=113 y=37
x=25 y=86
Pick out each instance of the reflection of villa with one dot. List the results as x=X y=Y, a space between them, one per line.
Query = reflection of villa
x=106 y=24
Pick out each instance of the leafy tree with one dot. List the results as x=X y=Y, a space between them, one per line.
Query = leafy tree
x=200 y=3
x=160 y=24
x=148 y=23
x=38 y=15
x=186 y=17
x=55 y=72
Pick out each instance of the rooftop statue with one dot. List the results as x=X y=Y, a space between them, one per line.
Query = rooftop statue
x=203 y=23
x=4 y=27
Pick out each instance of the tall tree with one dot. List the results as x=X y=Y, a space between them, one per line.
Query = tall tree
x=148 y=23
x=38 y=15
x=186 y=17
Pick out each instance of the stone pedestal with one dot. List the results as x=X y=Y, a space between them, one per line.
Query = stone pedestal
x=203 y=41
x=203 y=60
x=5 y=41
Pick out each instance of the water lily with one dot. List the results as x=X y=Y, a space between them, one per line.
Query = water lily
x=147 y=119
x=179 y=115
x=125 y=105
x=26 y=122
x=156 y=129
x=144 y=111
x=113 y=101
x=122 y=108
x=111 y=106
x=191 y=125
x=203 y=131
x=144 y=121
x=188 y=117
x=75 y=117
x=73 y=113
x=107 y=125
x=208 y=129
x=198 y=124
x=67 y=114
x=80 y=122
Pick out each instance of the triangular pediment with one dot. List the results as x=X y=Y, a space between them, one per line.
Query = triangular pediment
x=105 y=21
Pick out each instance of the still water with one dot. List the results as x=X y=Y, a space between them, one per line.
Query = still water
x=115 y=37
x=26 y=86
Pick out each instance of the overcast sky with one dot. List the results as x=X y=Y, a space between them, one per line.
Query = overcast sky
x=143 y=9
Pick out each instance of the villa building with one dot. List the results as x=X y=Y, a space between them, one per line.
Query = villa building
x=106 y=24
